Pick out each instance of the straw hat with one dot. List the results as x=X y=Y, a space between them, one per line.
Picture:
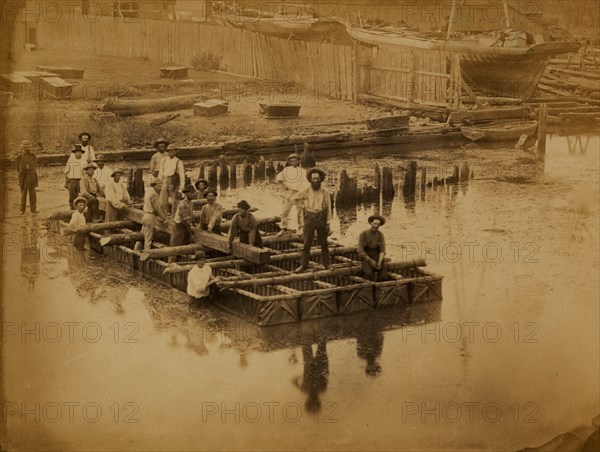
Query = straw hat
x=78 y=200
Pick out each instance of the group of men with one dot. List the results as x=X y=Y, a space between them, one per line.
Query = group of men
x=88 y=179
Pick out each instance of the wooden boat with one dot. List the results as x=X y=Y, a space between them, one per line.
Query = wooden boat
x=491 y=70
x=499 y=131
x=258 y=283
x=279 y=110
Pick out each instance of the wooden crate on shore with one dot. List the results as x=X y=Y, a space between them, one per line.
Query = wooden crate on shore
x=211 y=108
x=36 y=76
x=63 y=71
x=56 y=88
x=279 y=110
x=20 y=86
x=174 y=72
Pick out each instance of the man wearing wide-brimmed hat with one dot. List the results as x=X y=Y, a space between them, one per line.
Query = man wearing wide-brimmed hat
x=244 y=225
x=78 y=221
x=74 y=172
x=90 y=189
x=151 y=211
x=155 y=162
x=371 y=250
x=172 y=175
x=293 y=179
x=28 y=178
x=201 y=186
x=211 y=213
x=117 y=197
x=181 y=231
x=88 y=151
x=316 y=205
x=103 y=171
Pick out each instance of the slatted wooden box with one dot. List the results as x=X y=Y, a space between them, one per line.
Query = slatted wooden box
x=279 y=110
x=355 y=294
x=316 y=298
x=174 y=72
x=56 y=88
x=20 y=86
x=63 y=71
x=392 y=293
x=211 y=108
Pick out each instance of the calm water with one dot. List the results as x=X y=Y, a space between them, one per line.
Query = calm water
x=509 y=359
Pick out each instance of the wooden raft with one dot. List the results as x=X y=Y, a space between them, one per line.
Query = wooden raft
x=259 y=283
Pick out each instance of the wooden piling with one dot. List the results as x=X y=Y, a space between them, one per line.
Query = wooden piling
x=280 y=167
x=455 y=174
x=387 y=183
x=247 y=173
x=465 y=172
x=271 y=171
x=541 y=135
x=212 y=174
x=201 y=171
x=377 y=178
x=233 y=175
x=223 y=173
x=261 y=169
x=307 y=160
x=347 y=194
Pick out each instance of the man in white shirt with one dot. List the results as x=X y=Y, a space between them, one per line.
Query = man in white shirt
x=157 y=158
x=172 y=177
x=292 y=179
x=74 y=172
x=200 y=283
x=77 y=222
x=88 y=151
x=103 y=171
x=117 y=197
x=316 y=204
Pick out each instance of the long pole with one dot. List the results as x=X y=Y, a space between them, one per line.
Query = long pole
x=451 y=19
x=506 y=16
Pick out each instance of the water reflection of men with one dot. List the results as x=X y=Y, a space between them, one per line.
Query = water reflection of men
x=371 y=250
x=369 y=345
x=78 y=221
x=316 y=375
x=30 y=256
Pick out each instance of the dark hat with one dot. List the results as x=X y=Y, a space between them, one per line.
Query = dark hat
x=210 y=190
x=188 y=189
x=198 y=183
x=292 y=156
x=89 y=165
x=161 y=140
x=77 y=148
x=114 y=173
x=78 y=200
x=85 y=133
x=100 y=158
x=311 y=171
x=376 y=217
x=243 y=205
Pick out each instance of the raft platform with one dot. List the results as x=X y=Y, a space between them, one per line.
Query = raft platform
x=259 y=284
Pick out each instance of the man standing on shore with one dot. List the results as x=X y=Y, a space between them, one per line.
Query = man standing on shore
x=117 y=197
x=73 y=173
x=157 y=158
x=172 y=178
x=28 y=178
x=292 y=179
x=316 y=204
x=88 y=151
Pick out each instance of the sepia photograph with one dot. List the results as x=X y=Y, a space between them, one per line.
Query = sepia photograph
x=304 y=225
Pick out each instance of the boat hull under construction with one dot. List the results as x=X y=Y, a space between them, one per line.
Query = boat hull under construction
x=491 y=71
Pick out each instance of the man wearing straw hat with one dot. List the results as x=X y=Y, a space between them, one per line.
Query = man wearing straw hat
x=371 y=250
x=78 y=221
x=88 y=151
x=172 y=176
x=316 y=204
x=74 y=172
x=28 y=178
x=117 y=197
x=293 y=179
x=90 y=189
x=155 y=162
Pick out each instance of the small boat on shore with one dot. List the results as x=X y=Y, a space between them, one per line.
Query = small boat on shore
x=499 y=131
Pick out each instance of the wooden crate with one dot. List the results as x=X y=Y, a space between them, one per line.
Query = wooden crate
x=56 y=88
x=174 y=72
x=279 y=110
x=211 y=108
x=63 y=71
x=36 y=76
x=392 y=293
x=317 y=299
x=18 y=85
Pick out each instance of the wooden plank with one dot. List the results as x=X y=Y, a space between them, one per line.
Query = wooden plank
x=457 y=117
x=241 y=250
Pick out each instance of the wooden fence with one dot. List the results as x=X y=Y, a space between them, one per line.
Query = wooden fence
x=336 y=71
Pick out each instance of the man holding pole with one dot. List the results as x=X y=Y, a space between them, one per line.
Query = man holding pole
x=316 y=204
